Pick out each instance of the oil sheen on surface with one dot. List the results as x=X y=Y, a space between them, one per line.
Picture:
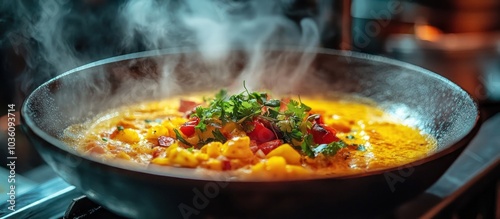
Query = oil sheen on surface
x=136 y=134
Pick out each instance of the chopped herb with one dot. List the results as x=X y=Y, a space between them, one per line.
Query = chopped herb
x=219 y=136
x=329 y=149
x=190 y=149
x=297 y=109
x=361 y=147
x=104 y=139
x=120 y=128
x=306 y=146
x=272 y=103
x=291 y=124
x=350 y=137
x=180 y=138
x=148 y=120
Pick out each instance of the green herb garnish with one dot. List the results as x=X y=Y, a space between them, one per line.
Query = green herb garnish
x=329 y=149
x=120 y=128
x=219 y=136
x=180 y=138
x=306 y=146
x=291 y=124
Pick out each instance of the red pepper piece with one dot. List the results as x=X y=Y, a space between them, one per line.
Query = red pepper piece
x=226 y=165
x=187 y=105
x=260 y=133
x=188 y=128
x=270 y=145
x=323 y=134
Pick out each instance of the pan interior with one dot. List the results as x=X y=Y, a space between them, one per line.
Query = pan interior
x=418 y=97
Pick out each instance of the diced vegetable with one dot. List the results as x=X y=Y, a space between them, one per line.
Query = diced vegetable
x=128 y=135
x=276 y=166
x=123 y=155
x=182 y=157
x=187 y=105
x=323 y=134
x=286 y=151
x=212 y=149
x=260 y=133
x=270 y=145
x=213 y=164
x=188 y=128
x=237 y=148
x=157 y=131
x=161 y=161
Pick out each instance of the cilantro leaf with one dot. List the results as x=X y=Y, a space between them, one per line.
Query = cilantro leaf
x=306 y=146
x=291 y=124
x=329 y=149
x=297 y=109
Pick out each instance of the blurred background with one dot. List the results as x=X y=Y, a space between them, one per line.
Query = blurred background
x=458 y=39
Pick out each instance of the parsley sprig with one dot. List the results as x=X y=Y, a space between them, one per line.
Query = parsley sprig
x=290 y=124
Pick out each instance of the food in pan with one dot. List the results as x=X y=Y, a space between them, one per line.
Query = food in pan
x=254 y=135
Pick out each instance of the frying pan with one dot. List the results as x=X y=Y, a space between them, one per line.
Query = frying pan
x=418 y=97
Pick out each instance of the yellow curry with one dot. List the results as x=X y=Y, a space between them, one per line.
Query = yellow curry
x=252 y=135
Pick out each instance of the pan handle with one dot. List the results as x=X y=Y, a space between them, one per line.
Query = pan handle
x=479 y=161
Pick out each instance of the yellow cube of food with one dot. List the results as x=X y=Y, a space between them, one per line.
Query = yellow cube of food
x=173 y=123
x=237 y=148
x=213 y=164
x=212 y=149
x=128 y=135
x=294 y=170
x=286 y=151
x=276 y=166
x=182 y=157
x=172 y=147
x=161 y=161
x=123 y=155
x=157 y=131
x=259 y=167
x=201 y=156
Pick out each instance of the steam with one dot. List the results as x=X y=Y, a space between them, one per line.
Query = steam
x=59 y=35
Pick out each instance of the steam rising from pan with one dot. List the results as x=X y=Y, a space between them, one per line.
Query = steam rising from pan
x=60 y=35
